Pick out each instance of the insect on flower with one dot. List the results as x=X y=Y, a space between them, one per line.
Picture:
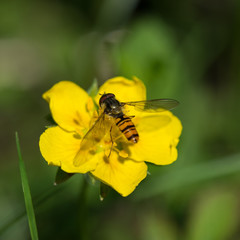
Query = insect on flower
x=111 y=138
x=112 y=113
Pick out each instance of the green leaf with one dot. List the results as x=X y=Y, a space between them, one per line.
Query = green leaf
x=27 y=194
x=62 y=176
x=93 y=90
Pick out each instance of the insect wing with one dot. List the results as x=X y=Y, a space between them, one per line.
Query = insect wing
x=95 y=133
x=155 y=105
x=89 y=141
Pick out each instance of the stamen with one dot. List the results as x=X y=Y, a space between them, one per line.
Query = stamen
x=122 y=153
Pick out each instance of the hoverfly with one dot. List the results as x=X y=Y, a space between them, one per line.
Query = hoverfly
x=112 y=112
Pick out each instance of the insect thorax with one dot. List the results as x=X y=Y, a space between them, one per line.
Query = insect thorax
x=111 y=105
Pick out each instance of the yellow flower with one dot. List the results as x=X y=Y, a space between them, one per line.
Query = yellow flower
x=113 y=160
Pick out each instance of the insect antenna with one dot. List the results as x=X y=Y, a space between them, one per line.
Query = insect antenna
x=102 y=93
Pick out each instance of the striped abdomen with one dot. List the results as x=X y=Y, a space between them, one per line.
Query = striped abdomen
x=127 y=127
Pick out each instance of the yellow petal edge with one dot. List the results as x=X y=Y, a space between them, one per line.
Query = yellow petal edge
x=68 y=105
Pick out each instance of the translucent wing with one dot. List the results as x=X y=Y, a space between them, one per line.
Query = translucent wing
x=155 y=105
x=92 y=137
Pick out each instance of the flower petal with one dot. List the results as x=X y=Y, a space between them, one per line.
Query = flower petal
x=124 y=89
x=121 y=174
x=59 y=147
x=68 y=104
x=158 y=138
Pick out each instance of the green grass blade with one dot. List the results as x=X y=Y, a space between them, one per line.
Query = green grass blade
x=27 y=194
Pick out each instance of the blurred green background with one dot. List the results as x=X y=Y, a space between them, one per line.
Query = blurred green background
x=187 y=50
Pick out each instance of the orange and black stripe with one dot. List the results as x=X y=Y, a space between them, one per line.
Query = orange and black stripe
x=127 y=127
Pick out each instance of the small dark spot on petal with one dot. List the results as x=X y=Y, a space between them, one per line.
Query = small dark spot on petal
x=77 y=136
x=97 y=139
x=121 y=160
x=92 y=152
x=76 y=121
x=106 y=159
x=171 y=146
